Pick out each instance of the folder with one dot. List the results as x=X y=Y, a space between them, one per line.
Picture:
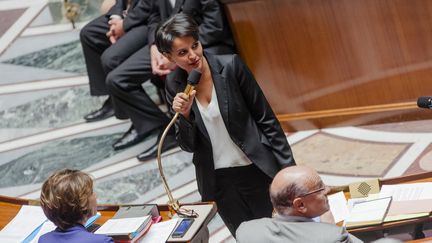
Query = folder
x=366 y=213
x=130 y=222
x=137 y=211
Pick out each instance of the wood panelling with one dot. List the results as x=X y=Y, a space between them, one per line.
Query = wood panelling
x=325 y=55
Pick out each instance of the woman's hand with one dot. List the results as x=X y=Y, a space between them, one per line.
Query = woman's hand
x=182 y=103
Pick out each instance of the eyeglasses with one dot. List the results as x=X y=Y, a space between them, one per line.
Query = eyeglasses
x=187 y=213
x=323 y=188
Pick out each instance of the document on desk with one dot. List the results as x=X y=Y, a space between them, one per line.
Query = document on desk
x=160 y=232
x=407 y=192
x=409 y=200
x=368 y=212
x=338 y=206
x=25 y=222
x=410 y=207
x=123 y=226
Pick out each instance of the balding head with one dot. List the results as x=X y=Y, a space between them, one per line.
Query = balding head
x=290 y=192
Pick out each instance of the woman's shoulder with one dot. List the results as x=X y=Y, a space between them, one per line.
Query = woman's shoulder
x=223 y=59
x=102 y=239
x=74 y=234
x=87 y=237
x=222 y=62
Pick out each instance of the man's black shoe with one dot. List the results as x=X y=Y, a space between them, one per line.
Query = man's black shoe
x=151 y=153
x=104 y=112
x=130 y=138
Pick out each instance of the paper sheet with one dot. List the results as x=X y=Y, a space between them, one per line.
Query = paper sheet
x=352 y=201
x=121 y=226
x=24 y=223
x=160 y=232
x=338 y=206
x=406 y=192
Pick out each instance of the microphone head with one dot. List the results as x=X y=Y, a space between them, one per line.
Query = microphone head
x=194 y=77
x=424 y=102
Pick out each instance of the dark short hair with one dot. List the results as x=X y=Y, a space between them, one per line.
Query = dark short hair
x=65 y=197
x=179 y=25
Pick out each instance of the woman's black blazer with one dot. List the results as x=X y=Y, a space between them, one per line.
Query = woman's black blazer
x=248 y=117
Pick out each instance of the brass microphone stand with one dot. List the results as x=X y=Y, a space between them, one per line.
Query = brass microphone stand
x=173 y=203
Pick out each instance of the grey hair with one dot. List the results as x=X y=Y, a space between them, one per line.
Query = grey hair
x=282 y=200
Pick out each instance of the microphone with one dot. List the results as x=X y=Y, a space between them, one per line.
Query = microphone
x=424 y=102
x=192 y=81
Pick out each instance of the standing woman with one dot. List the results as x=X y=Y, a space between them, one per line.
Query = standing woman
x=238 y=143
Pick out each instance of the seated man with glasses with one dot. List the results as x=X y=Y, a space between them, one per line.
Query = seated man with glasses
x=300 y=199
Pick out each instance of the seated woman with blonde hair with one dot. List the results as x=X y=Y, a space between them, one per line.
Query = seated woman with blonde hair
x=68 y=200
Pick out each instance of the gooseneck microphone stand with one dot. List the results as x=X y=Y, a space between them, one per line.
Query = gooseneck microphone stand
x=173 y=203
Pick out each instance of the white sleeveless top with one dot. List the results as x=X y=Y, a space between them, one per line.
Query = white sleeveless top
x=225 y=152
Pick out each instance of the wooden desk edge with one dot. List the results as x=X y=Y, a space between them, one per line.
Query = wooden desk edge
x=11 y=207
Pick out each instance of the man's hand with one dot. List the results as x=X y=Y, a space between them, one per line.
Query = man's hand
x=111 y=36
x=116 y=29
x=160 y=64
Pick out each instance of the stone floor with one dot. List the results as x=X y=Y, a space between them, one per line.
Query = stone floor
x=44 y=94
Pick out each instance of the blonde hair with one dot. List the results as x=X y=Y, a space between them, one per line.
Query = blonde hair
x=65 y=197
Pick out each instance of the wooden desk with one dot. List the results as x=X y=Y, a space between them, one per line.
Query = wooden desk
x=10 y=206
x=413 y=226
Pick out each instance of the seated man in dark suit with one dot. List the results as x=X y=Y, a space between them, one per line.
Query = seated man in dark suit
x=101 y=55
x=299 y=197
x=68 y=200
x=121 y=68
x=109 y=40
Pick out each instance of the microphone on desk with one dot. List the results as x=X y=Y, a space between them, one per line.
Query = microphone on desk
x=424 y=102
x=192 y=81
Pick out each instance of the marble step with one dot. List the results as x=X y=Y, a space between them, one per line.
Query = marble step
x=48 y=105
x=57 y=133
x=52 y=28
x=43 y=85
